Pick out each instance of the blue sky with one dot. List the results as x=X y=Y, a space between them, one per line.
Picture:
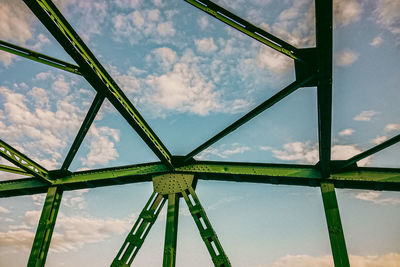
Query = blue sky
x=190 y=76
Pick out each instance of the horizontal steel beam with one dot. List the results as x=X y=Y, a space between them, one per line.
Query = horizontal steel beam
x=96 y=74
x=285 y=174
x=39 y=57
x=247 y=28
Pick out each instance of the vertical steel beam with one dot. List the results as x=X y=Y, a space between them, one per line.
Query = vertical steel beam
x=334 y=223
x=323 y=18
x=44 y=231
x=171 y=231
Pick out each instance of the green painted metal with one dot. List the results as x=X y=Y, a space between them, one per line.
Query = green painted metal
x=284 y=174
x=11 y=169
x=141 y=228
x=45 y=227
x=335 y=229
x=323 y=22
x=246 y=27
x=171 y=231
x=94 y=108
x=95 y=73
x=207 y=233
x=38 y=57
x=22 y=161
x=256 y=111
x=370 y=151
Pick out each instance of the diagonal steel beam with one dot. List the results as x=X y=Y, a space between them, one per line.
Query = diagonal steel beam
x=11 y=169
x=335 y=229
x=23 y=161
x=247 y=28
x=38 y=57
x=256 y=111
x=90 y=116
x=369 y=152
x=95 y=73
x=323 y=18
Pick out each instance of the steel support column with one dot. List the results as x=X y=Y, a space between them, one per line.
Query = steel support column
x=323 y=19
x=334 y=223
x=45 y=228
x=171 y=231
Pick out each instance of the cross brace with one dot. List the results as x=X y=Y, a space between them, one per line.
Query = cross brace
x=171 y=187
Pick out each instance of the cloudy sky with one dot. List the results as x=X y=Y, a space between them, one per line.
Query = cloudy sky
x=190 y=76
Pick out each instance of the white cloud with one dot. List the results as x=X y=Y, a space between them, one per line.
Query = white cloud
x=273 y=61
x=307 y=153
x=61 y=86
x=223 y=151
x=346 y=132
x=365 y=115
x=377 y=41
x=203 y=22
x=102 y=147
x=6 y=58
x=183 y=89
x=206 y=45
x=166 y=55
x=127 y=3
x=71 y=232
x=376 y=197
x=345 y=58
x=379 y=139
x=40 y=97
x=166 y=29
x=43 y=76
x=388 y=15
x=346 y=11
x=387 y=260
x=42 y=130
x=15 y=22
x=392 y=127
x=3 y=210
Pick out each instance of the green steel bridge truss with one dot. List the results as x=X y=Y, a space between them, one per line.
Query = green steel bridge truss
x=175 y=176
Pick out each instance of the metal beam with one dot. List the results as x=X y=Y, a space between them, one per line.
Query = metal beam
x=171 y=231
x=207 y=233
x=44 y=231
x=23 y=161
x=39 y=57
x=95 y=73
x=335 y=229
x=90 y=116
x=247 y=28
x=11 y=169
x=323 y=18
x=140 y=230
x=284 y=174
x=369 y=152
x=256 y=111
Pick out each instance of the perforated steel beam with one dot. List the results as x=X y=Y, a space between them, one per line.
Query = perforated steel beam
x=95 y=73
x=22 y=161
x=334 y=223
x=39 y=57
x=323 y=19
x=303 y=175
x=247 y=28
x=90 y=116
x=140 y=230
x=256 y=111
x=45 y=228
